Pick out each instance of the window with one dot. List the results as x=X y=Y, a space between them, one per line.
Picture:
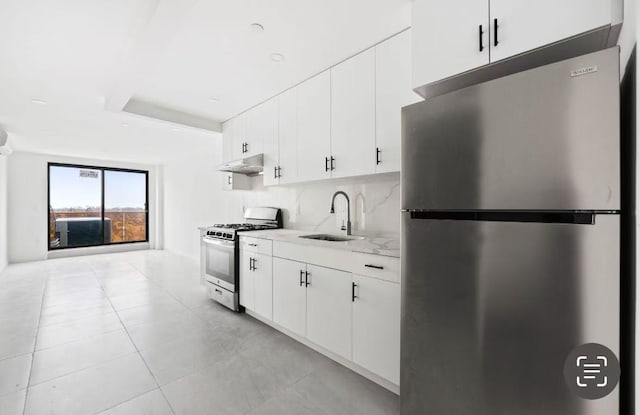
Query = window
x=90 y=206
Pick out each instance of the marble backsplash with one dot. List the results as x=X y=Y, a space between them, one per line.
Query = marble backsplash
x=375 y=204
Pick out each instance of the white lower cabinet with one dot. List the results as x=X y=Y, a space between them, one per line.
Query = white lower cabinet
x=289 y=295
x=247 y=281
x=329 y=309
x=353 y=316
x=263 y=285
x=256 y=283
x=376 y=326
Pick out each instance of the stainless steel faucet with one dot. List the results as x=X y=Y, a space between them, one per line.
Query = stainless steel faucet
x=333 y=210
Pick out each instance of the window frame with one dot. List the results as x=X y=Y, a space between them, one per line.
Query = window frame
x=102 y=200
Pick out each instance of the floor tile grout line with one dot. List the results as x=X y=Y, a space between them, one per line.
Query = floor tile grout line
x=131 y=399
x=35 y=344
x=139 y=354
x=159 y=286
x=84 y=368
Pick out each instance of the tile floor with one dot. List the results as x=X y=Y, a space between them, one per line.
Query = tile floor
x=133 y=333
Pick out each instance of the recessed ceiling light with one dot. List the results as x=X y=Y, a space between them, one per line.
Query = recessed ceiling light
x=277 y=57
x=213 y=100
x=124 y=124
x=39 y=101
x=256 y=27
x=175 y=130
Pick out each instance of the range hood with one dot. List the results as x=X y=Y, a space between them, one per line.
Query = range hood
x=249 y=166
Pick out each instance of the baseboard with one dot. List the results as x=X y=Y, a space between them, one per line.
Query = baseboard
x=93 y=250
x=344 y=362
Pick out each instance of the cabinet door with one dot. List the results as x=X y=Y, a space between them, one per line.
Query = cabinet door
x=262 y=136
x=376 y=326
x=524 y=25
x=263 y=283
x=227 y=141
x=239 y=136
x=393 y=91
x=247 y=281
x=314 y=127
x=446 y=38
x=226 y=179
x=289 y=296
x=329 y=309
x=353 y=115
x=288 y=136
x=261 y=125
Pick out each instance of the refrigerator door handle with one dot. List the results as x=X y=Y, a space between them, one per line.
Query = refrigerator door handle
x=576 y=218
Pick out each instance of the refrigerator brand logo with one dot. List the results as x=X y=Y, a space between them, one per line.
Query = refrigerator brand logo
x=591 y=371
x=584 y=71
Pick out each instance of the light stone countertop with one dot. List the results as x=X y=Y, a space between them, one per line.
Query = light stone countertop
x=377 y=245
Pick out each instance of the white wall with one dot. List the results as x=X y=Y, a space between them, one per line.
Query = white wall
x=3 y=213
x=27 y=202
x=193 y=197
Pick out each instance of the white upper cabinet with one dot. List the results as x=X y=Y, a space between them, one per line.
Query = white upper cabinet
x=343 y=122
x=393 y=91
x=288 y=137
x=314 y=127
x=523 y=25
x=262 y=123
x=449 y=37
x=239 y=137
x=453 y=37
x=329 y=309
x=353 y=123
x=227 y=141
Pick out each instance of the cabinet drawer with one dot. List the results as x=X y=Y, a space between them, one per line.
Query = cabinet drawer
x=316 y=255
x=377 y=266
x=256 y=245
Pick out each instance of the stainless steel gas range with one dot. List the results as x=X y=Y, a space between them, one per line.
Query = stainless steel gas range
x=220 y=252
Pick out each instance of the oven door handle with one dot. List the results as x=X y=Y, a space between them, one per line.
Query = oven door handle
x=209 y=241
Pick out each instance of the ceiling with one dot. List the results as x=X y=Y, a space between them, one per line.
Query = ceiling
x=192 y=59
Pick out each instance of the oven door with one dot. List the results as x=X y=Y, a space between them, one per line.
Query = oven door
x=219 y=262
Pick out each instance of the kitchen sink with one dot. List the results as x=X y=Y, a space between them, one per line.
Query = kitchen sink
x=331 y=238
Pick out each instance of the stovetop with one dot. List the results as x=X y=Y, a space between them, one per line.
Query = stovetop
x=258 y=219
x=243 y=226
x=228 y=231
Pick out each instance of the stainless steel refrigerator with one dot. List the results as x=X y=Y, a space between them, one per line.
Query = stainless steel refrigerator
x=511 y=240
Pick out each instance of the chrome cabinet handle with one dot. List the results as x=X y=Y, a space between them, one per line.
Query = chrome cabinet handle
x=480 y=33
x=373 y=266
x=353 y=292
x=378 y=161
x=252 y=244
x=306 y=279
x=301 y=274
x=495 y=32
